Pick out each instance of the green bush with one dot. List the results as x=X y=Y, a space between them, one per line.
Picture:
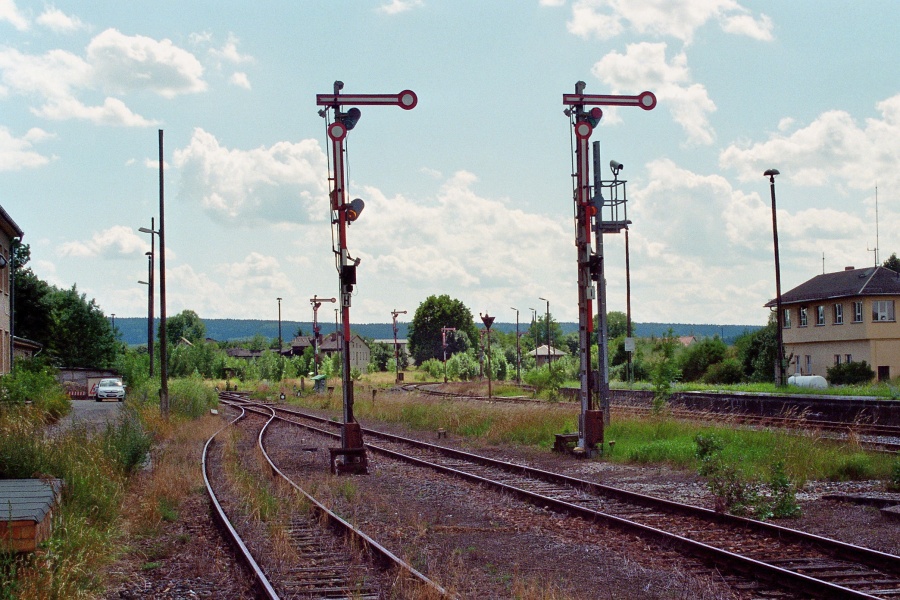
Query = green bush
x=34 y=381
x=893 y=483
x=127 y=443
x=191 y=397
x=850 y=373
x=852 y=467
x=726 y=372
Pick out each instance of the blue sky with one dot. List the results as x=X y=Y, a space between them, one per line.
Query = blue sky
x=468 y=194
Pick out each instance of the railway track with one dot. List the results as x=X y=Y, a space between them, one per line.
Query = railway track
x=324 y=569
x=783 y=558
x=871 y=436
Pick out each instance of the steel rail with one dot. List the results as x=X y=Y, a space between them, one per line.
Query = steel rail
x=386 y=556
x=259 y=576
x=776 y=575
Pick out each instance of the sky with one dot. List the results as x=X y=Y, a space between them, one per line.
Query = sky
x=470 y=193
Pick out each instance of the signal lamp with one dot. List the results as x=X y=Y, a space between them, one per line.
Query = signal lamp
x=355 y=208
x=350 y=118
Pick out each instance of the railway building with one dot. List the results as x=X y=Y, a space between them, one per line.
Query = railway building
x=841 y=317
x=9 y=233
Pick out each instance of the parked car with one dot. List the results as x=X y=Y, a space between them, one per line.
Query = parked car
x=110 y=389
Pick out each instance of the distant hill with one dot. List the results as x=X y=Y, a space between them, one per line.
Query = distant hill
x=133 y=330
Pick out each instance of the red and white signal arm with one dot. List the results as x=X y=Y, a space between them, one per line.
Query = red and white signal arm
x=583 y=130
x=337 y=131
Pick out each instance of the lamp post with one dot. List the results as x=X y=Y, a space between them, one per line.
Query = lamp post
x=163 y=346
x=394 y=314
x=534 y=332
x=549 y=360
x=149 y=282
x=316 y=304
x=279 y=326
x=779 y=316
x=113 y=315
x=518 y=350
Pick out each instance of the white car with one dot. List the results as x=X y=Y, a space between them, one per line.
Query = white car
x=110 y=389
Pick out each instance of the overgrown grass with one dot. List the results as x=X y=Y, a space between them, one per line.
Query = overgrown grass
x=96 y=469
x=887 y=391
x=85 y=525
x=638 y=440
x=663 y=440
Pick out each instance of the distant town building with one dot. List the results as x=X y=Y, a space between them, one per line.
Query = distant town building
x=360 y=354
x=540 y=355
x=9 y=232
x=841 y=317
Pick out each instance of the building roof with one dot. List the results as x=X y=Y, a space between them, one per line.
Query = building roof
x=8 y=225
x=542 y=351
x=28 y=499
x=873 y=281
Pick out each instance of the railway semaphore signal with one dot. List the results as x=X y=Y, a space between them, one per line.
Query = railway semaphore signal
x=584 y=114
x=351 y=456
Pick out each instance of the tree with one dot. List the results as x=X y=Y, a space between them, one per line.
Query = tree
x=616 y=324
x=433 y=314
x=697 y=358
x=539 y=328
x=893 y=263
x=757 y=352
x=81 y=335
x=381 y=353
x=186 y=324
x=30 y=295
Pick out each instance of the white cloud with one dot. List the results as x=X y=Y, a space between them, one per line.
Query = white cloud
x=240 y=80
x=115 y=62
x=281 y=184
x=116 y=242
x=553 y=2
x=833 y=149
x=398 y=6
x=644 y=66
x=680 y=19
x=758 y=29
x=112 y=112
x=17 y=153
x=128 y=63
x=56 y=20
x=484 y=248
x=12 y=15
x=229 y=52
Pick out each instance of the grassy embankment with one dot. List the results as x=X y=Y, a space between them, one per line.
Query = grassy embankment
x=97 y=469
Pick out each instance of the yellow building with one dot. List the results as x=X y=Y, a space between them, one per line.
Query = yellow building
x=8 y=232
x=841 y=317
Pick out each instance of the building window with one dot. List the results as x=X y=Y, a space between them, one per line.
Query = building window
x=820 y=315
x=802 y=316
x=849 y=358
x=837 y=359
x=808 y=364
x=857 y=312
x=838 y=314
x=787 y=318
x=883 y=310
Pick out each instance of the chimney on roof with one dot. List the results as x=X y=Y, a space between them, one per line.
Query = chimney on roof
x=849 y=268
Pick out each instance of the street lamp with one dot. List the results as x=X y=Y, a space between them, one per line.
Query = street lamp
x=279 y=326
x=163 y=347
x=518 y=351
x=149 y=284
x=779 y=362
x=549 y=360
x=113 y=315
x=534 y=332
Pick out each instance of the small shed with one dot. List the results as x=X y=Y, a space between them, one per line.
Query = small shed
x=542 y=354
x=26 y=512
